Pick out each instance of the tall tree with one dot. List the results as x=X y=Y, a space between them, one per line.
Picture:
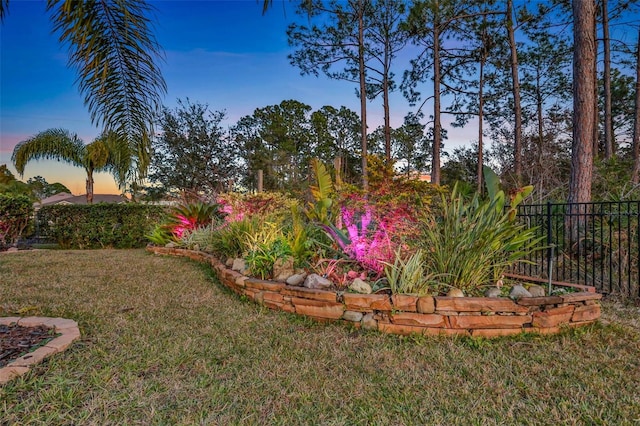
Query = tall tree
x=635 y=174
x=43 y=189
x=385 y=37
x=192 y=152
x=277 y=140
x=412 y=145
x=428 y=20
x=606 y=43
x=584 y=89
x=337 y=39
x=515 y=80
x=336 y=134
x=106 y=153
x=115 y=54
x=432 y=23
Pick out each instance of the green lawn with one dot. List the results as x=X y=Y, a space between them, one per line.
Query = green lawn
x=164 y=343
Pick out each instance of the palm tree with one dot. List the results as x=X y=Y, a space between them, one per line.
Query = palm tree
x=115 y=54
x=108 y=153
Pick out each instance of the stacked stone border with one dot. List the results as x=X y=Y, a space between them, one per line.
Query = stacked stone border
x=68 y=330
x=406 y=314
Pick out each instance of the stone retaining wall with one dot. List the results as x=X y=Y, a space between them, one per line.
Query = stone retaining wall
x=404 y=314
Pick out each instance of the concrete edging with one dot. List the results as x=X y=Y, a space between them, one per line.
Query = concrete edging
x=68 y=330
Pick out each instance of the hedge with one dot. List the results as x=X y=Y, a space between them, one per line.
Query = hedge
x=16 y=212
x=99 y=225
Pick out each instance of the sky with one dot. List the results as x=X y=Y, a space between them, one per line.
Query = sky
x=222 y=53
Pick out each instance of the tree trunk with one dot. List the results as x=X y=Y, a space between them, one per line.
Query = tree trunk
x=387 y=118
x=584 y=82
x=635 y=173
x=437 y=126
x=517 y=108
x=539 y=105
x=608 y=120
x=363 y=91
x=89 y=186
x=481 y=117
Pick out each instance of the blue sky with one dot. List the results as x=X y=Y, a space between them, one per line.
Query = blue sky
x=222 y=53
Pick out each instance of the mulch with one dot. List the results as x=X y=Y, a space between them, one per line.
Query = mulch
x=16 y=341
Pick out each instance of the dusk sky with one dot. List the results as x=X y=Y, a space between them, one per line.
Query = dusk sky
x=222 y=53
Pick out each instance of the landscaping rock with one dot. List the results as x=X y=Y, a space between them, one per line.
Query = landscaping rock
x=492 y=292
x=369 y=323
x=283 y=268
x=239 y=265
x=455 y=292
x=296 y=279
x=317 y=282
x=519 y=291
x=426 y=305
x=536 y=291
x=229 y=263
x=352 y=316
x=170 y=244
x=360 y=286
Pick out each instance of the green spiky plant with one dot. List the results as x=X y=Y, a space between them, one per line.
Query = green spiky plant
x=473 y=243
x=408 y=276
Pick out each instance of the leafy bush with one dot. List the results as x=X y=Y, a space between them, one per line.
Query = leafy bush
x=99 y=225
x=473 y=243
x=369 y=227
x=238 y=206
x=16 y=213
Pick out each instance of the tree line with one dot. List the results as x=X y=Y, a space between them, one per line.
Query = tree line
x=553 y=84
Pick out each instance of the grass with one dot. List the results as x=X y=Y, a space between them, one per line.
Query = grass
x=163 y=343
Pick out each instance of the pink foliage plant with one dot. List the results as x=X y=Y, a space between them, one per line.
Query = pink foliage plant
x=370 y=238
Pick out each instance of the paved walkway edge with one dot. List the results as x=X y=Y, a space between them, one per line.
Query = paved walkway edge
x=68 y=330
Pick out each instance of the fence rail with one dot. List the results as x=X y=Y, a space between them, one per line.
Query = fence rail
x=595 y=244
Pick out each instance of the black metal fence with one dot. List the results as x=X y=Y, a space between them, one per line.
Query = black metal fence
x=593 y=244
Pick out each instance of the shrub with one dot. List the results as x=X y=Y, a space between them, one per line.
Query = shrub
x=238 y=206
x=190 y=216
x=16 y=213
x=473 y=243
x=99 y=225
x=408 y=276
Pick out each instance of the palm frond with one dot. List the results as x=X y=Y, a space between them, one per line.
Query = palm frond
x=56 y=144
x=116 y=56
x=120 y=160
x=4 y=9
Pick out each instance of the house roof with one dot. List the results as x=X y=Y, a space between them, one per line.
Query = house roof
x=81 y=199
x=54 y=199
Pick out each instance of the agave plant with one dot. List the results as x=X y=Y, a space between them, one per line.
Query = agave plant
x=191 y=216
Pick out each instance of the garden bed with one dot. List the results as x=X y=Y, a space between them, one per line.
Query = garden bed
x=406 y=314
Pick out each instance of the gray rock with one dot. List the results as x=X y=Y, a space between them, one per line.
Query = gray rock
x=492 y=292
x=171 y=244
x=360 y=286
x=518 y=291
x=239 y=265
x=455 y=292
x=317 y=282
x=352 y=316
x=536 y=291
x=369 y=323
x=283 y=269
x=296 y=279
